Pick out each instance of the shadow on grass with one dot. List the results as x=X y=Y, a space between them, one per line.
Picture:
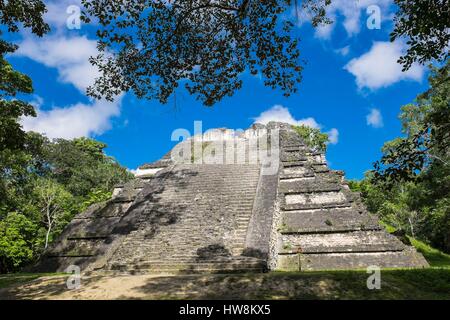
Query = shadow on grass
x=396 y=284
x=36 y=286
x=348 y=285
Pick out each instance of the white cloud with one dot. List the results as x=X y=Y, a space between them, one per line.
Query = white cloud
x=279 y=113
x=353 y=12
x=343 y=51
x=324 y=31
x=37 y=101
x=375 y=119
x=57 y=15
x=74 y=121
x=69 y=55
x=333 y=136
x=378 y=67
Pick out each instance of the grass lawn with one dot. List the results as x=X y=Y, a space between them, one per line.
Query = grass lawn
x=434 y=257
x=433 y=283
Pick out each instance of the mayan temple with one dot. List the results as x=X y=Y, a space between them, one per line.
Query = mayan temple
x=231 y=216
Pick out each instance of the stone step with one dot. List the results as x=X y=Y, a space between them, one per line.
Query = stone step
x=304 y=185
x=297 y=164
x=314 y=198
x=179 y=258
x=407 y=258
x=292 y=159
x=184 y=264
x=244 y=264
x=354 y=241
x=292 y=146
x=320 y=167
x=293 y=156
x=306 y=179
x=175 y=262
x=296 y=172
x=189 y=269
x=331 y=220
x=162 y=236
x=295 y=148
x=170 y=248
x=296 y=207
x=211 y=259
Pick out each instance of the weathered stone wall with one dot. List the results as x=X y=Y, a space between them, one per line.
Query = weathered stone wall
x=260 y=226
x=322 y=224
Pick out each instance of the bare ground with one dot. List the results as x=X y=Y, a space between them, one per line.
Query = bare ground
x=400 y=284
x=156 y=287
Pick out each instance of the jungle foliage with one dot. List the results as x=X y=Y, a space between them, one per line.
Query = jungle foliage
x=313 y=137
x=410 y=185
x=44 y=190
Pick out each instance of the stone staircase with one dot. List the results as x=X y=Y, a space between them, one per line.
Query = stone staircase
x=196 y=223
x=218 y=218
x=321 y=224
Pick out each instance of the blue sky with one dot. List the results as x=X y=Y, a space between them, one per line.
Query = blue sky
x=352 y=88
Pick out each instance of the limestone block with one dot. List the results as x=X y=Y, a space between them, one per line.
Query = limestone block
x=315 y=198
x=355 y=241
x=330 y=220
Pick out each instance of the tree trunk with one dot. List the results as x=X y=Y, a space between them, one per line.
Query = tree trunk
x=411 y=226
x=49 y=222
x=47 y=236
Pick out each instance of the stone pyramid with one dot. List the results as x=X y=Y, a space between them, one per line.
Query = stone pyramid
x=231 y=216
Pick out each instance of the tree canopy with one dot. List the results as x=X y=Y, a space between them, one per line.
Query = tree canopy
x=426 y=25
x=427 y=133
x=13 y=140
x=151 y=47
x=410 y=186
x=45 y=185
x=313 y=137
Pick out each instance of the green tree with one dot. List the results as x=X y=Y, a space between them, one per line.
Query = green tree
x=28 y=13
x=410 y=186
x=425 y=24
x=41 y=188
x=14 y=13
x=13 y=83
x=52 y=200
x=313 y=137
x=427 y=133
x=46 y=184
x=18 y=169
x=419 y=208
x=17 y=241
x=151 y=47
x=15 y=144
x=82 y=166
